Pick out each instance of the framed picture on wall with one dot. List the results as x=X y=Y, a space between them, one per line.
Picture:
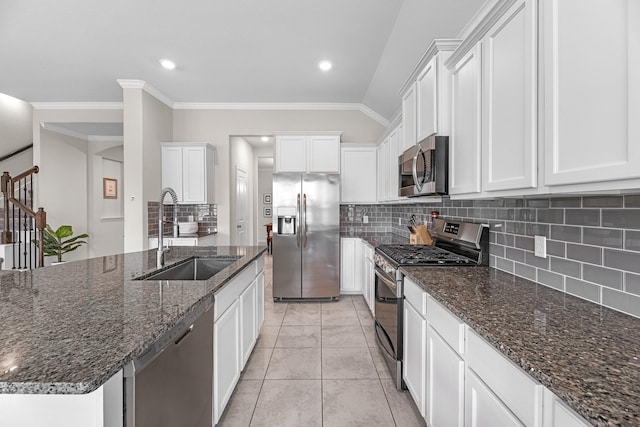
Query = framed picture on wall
x=266 y=199
x=266 y=212
x=109 y=188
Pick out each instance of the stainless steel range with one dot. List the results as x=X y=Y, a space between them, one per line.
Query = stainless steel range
x=457 y=243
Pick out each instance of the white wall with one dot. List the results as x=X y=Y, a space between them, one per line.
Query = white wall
x=15 y=130
x=264 y=185
x=217 y=126
x=147 y=123
x=105 y=216
x=63 y=193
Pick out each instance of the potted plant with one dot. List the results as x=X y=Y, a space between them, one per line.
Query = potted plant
x=55 y=246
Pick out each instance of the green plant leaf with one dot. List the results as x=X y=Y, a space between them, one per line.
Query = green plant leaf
x=64 y=231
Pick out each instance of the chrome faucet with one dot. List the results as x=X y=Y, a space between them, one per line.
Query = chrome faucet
x=161 y=250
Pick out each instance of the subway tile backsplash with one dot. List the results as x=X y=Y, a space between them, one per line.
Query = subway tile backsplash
x=205 y=215
x=593 y=246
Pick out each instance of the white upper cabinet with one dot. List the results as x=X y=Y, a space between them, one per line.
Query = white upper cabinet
x=308 y=153
x=408 y=117
x=426 y=96
x=509 y=107
x=188 y=169
x=358 y=177
x=427 y=100
x=465 y=139
x=394 y=145
x=592 y=104
x=383 y=171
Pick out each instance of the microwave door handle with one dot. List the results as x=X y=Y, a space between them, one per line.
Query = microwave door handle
x=298 y=222
x=418 y=182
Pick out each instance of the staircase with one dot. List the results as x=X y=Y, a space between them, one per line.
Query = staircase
x=21 y=226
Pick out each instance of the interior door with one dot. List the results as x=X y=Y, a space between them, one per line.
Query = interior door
x=241 y=207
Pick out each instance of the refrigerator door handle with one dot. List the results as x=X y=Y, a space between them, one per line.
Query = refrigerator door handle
x=298 y=221
x=304 y=204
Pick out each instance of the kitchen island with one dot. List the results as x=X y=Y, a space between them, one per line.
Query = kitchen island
x=70 y=329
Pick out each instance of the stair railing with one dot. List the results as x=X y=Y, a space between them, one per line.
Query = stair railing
x=22 y=221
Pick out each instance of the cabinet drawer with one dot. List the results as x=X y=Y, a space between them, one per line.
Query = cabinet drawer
x=520 y=393
x=232 y=290
x=260 y=264
x=446 y=324
x=415 y=295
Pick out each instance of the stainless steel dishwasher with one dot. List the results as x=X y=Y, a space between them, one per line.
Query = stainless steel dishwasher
x=171 y=384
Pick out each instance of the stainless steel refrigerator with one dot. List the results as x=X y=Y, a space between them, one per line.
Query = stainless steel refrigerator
x=306 y=236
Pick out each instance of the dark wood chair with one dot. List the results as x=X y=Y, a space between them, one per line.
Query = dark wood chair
x=269 y=237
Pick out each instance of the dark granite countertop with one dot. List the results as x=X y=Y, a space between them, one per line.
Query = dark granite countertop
x=68 y=328
x=588 y=355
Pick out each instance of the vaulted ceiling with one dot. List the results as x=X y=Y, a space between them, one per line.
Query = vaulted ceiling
x=226 y=51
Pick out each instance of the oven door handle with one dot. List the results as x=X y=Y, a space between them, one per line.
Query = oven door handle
x=389 y=283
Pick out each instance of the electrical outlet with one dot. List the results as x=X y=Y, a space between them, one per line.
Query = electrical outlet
x=540 y=246
x=365 y=219
x=399 y=221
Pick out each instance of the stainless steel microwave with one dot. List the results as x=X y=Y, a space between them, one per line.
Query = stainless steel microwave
x=424 y=168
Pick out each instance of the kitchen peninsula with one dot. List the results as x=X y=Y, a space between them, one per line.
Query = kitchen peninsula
x=69 y=330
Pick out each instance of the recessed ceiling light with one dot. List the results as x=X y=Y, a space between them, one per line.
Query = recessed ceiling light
x=168 y=64
x=325 y=65
x=265 y=139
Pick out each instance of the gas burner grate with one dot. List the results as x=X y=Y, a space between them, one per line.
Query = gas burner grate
x=422 y=255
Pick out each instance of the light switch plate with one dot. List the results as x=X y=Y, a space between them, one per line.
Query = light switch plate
x=540 y=246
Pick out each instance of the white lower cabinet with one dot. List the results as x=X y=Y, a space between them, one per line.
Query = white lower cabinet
x=260 y=302
x=349 y=270
x=248 y=321
x=238 y=307
x=415 y=353
x=557 y=414
x=226 y=357
x=368 y=277
x=483 y=408
x=445 y=383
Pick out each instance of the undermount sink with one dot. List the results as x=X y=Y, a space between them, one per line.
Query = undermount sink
x=192 y=269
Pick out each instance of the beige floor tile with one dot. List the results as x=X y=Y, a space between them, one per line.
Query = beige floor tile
x=378 y=360
x=343 y=336
x=347 y=363
x=344 y=303
x=365 y=317
x=268 y=336
x=302 y=314
x=257 y=364
x=289 y=404
x=299 y=336
x=241 y=405
x=340 y=317
x=404 y=410
x=359 y=302
x=352 y=403
x=295 y=364
x=273 y=317
x=370 y=335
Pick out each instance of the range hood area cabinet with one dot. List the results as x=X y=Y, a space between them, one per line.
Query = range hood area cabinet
x=426 y=96
x=303 y=152
x=188 y=168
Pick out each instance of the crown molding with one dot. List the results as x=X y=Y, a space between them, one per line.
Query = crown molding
x=292 y=106
x=77 y=105
x=63 y=131
x=437 y=45
x=105 y=138
x=483 y=26
x=150 y=89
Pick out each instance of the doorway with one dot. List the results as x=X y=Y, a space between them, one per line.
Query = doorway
x=241 y=206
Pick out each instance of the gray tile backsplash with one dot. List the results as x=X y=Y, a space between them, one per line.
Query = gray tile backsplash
x=593 y=244
x=205 y=215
